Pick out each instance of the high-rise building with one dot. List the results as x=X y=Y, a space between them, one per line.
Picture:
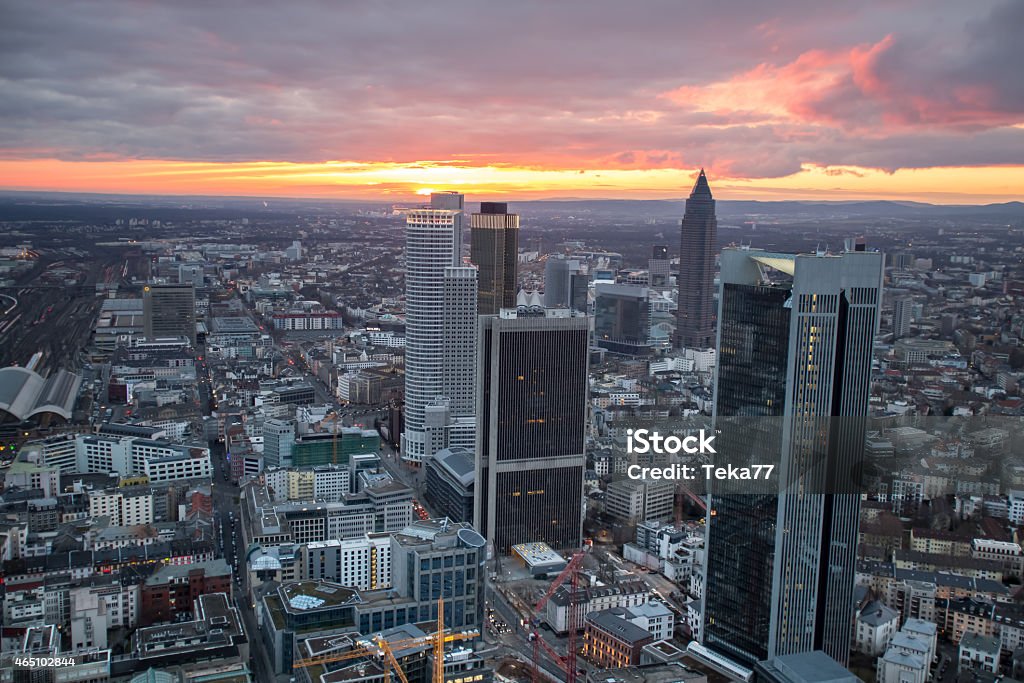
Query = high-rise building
x=449 y=417
x=439 y=313
x=278 y=441
x=622 y=318
x=460 y=311
x=452 y=201
x=658 y=267
x=532 y=404
x=565 y=284
x=902 y=316
x=792 y=387
x=494 y=250
x=169 y=311
x=695 y=322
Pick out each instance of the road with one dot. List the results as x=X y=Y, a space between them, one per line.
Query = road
x=517 y=642
x=412 y=476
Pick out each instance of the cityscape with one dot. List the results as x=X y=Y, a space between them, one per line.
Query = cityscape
x=550 y=415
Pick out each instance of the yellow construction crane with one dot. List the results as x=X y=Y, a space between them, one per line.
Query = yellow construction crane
x=382 y=648
x=392 y=662
x=333 y=418
x=439 y=643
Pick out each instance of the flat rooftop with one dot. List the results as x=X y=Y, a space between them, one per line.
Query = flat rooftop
x=537 y=554
x=313 y=595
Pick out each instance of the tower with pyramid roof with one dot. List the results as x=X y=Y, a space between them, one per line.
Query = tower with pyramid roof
x=695 y=319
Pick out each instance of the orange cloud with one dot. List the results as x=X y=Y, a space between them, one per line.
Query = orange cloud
x=864 y=88
x=401 y=182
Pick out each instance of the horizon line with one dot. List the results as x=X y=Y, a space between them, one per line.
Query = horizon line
x=5 y=191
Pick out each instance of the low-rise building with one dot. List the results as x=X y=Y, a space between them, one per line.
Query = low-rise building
x=449 y=485
x=978 y=653
x=172 y=590
x=611 y=641
x=876 y=624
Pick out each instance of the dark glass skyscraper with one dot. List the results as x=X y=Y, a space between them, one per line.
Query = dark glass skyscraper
x=494 y=250
x=695 y=323
x=532 y=404
x=622 y=320
x=793 y=379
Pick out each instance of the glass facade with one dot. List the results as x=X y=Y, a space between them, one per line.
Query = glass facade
x=542 y=387
x=531 y=443
x=752 y=357
x=622 y=321
x=796 y=358
x=538 y=505
x=494 y=249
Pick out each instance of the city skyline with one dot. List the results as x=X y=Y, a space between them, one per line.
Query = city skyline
x=777 y=102
x=473 y=342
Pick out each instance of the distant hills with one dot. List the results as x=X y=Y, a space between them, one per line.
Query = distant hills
x=788 y=208
x=51 y=205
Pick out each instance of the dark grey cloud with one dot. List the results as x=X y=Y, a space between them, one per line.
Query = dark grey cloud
x=572 y=84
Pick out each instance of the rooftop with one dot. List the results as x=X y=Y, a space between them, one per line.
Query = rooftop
x=809 y=667
x=538 y=554
x=170 y=572
x=610 y=622
x=304 y=596
x=976 y=641
x=24 y=393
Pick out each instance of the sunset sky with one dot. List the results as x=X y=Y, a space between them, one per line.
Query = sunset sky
x=906 y=99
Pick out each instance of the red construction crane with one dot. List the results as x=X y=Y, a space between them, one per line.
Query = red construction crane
x=684 y=491
x=567 y=662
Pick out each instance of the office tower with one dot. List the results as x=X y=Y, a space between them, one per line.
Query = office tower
x=658 y=267
x=456 y=202
x=565 y=284
x=902 y=316
x=455 y=424
x=494 y=249
x=532 y=403
x=622 y=318
x=794 y=348
x=901 y=260
x=169 y=311
x=278 y=441
x=695 y=323
x=439 y=309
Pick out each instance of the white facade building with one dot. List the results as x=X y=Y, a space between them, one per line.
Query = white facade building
x=440 y=331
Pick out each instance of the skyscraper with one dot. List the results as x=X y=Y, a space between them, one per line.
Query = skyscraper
x=794 y=349
x=532 y=404
x=494 y=249
x=658 y=268
x=695 y=323
x=902 y=316
x=440 y=303
x=565 y=284
x=457 y=388
x=169 y=311
x=622 y=318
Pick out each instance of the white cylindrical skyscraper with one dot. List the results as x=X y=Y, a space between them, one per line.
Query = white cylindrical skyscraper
x=432 y=250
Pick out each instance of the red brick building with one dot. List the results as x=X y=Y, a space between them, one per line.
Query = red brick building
x=612 y=642
x=172 y=590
